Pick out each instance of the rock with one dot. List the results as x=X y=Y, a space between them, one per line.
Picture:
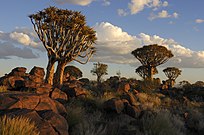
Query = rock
x=132 y=111
x=10 y=81
x=19 y=80
x=43 y=125
x=38 y=72
x=115 y=105
x=58 y=95
x=43 y=90
x=123 y=87
x=48 y=114
x=32 y=101
x=74 y=89
x=36 y=79
x=18 y=71
x=130 y=98
x=56 y=121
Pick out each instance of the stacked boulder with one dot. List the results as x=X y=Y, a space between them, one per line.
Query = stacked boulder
x=127 y=104
x=48 y=114
x=19 y=80
x=74 y=89
x=30 y=97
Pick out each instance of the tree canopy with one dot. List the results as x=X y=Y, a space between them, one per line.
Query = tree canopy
x=99 y=70
x=172 y=72
x=142 y=71
x=152 y=56
x=65 y=36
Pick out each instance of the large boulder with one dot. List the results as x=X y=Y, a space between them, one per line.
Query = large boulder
x=132 y=111
x=48 y=114
x=37 y=74
x=123 y=87
x=59 y=95
x=130 y=98
x=115 y=105
x=18 y=71
x=74 y=89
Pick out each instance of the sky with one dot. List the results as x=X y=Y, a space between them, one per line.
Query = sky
x=121 y=26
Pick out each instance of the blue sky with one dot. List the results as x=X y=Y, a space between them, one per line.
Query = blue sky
x=121 y=27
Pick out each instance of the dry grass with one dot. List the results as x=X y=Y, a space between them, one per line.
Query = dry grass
x=3 y=88
x=17 y=126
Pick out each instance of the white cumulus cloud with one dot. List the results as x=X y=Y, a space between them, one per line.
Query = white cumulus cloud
x=22 y=42
x=115 y=46
x=136 y=6
x=20 y=37
x=163 y=14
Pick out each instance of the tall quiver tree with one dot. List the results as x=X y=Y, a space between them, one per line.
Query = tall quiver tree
x=152 y=56
x=172 y=73
x=142 y=71
x=65 y=36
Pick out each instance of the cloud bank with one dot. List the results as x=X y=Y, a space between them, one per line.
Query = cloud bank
x=20 y=43
x=115 y=46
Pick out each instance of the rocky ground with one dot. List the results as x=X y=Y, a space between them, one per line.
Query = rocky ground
x=119 y=107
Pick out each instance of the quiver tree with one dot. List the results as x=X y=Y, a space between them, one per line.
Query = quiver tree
x=71 y=72
x=152 y=56
x=65 y=36
x=142 y=71
x=99 y=70
x=172 y=73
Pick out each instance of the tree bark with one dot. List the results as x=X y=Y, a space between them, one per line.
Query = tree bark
x=50 y=71
x=60 y=72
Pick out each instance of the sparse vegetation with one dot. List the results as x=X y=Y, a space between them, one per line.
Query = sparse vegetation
x=17 y=126
x=3 y=89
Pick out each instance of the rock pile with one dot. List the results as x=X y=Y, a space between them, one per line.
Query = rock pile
x=48 y=114
x=125 y=104
x=30 y=97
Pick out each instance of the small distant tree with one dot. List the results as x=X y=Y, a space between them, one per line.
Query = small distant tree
x=72 y=71
x=142 y=71
x=172 y=73
x=152 y=56
x=65 y=36
x=118 y=73
x=99 y=70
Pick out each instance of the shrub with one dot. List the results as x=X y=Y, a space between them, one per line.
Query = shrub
x=163 y=123
x=149 y=101
x=17 y=126
x=3 y=88
x=90 y=125
x=148 y=86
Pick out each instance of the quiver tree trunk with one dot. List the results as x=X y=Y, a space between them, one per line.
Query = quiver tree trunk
x=150 y=73
x=60 y=72
x=50 y=71
x=98 y=80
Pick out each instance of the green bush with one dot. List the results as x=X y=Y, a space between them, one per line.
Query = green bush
x=17 y=126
